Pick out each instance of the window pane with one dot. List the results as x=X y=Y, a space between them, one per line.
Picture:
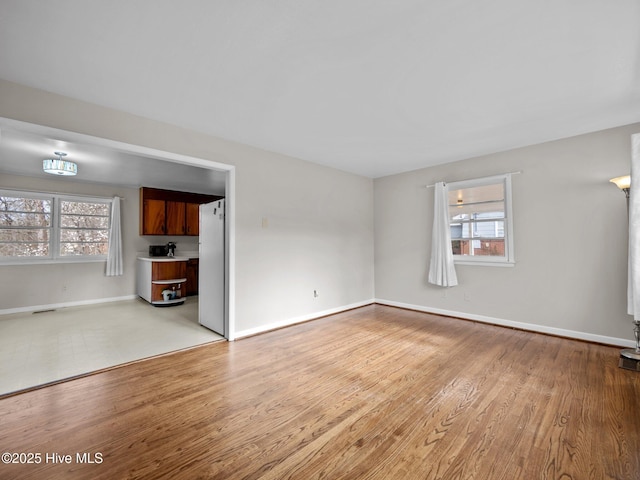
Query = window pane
x=84 y=228
x=84 y=235
x=84 y=208
x=25 y=212
x=24 y=226
x=24 y=249
x=493 y=247
x=15 y=219
x=69 y=249
x=23 y=235
x=478 y=210
x=20 y=204
x=78 y=221
x=460 y=247
x=477 y=220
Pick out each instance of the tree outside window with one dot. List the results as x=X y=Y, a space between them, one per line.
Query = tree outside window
x=44 y=226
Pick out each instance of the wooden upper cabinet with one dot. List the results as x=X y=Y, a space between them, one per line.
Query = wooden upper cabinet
x=176 y=218
x=153 y=219
x=167 y=212
x=193 y=219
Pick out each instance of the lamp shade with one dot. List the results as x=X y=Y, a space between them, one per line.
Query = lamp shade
x=622 y=182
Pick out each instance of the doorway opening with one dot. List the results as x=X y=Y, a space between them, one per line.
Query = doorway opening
x=155 y=155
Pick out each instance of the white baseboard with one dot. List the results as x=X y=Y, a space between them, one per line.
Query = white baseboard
x=590 y=337
x=53 y=306
x=621 y=342
x=303 y=318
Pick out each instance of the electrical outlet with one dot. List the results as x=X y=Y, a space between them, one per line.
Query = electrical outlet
x=315 y=294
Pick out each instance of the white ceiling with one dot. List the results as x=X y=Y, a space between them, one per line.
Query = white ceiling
x=373 y=87
x=24 y=146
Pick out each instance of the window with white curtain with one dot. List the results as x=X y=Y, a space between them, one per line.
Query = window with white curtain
x=481 y=221
x=37 y=227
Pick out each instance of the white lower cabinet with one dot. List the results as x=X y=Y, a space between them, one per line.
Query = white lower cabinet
x=162 y=282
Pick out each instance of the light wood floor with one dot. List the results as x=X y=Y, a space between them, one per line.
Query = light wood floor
x=377 y=392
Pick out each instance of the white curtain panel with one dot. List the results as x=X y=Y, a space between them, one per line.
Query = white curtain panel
x=633 y=290
x=441 y=269
x=114 y=255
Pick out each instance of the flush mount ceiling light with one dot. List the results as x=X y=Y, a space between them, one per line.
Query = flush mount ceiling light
x=59 y=166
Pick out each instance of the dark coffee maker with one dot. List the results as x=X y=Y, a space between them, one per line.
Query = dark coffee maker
x=171 y=249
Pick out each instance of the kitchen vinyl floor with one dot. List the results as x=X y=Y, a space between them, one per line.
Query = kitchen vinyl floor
x=39 y=348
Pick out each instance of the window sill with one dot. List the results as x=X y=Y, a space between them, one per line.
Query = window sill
x=50 y=261
x=484 y=263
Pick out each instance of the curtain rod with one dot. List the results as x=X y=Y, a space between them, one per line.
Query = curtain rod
x=61 y=194
x=480 y=178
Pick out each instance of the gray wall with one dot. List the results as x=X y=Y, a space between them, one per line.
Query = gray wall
x=570 y=232
x=302 y=227
x=319 y=221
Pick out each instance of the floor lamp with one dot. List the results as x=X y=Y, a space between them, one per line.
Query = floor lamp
x=624 y=184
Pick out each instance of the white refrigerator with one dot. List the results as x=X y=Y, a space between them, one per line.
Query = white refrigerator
x=211 y=307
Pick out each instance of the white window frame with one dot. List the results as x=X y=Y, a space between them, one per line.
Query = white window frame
x=508 y=260
x=55 y=228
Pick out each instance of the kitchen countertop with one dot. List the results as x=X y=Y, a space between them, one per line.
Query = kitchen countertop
x=177 y=258
x=180 y=257
x=164 y=259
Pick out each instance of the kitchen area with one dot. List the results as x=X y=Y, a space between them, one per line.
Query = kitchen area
x=167 y=313
x=166 y=275
x=63 y=319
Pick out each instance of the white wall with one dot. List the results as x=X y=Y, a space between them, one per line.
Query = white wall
x=570 y=239
x=319 y=231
